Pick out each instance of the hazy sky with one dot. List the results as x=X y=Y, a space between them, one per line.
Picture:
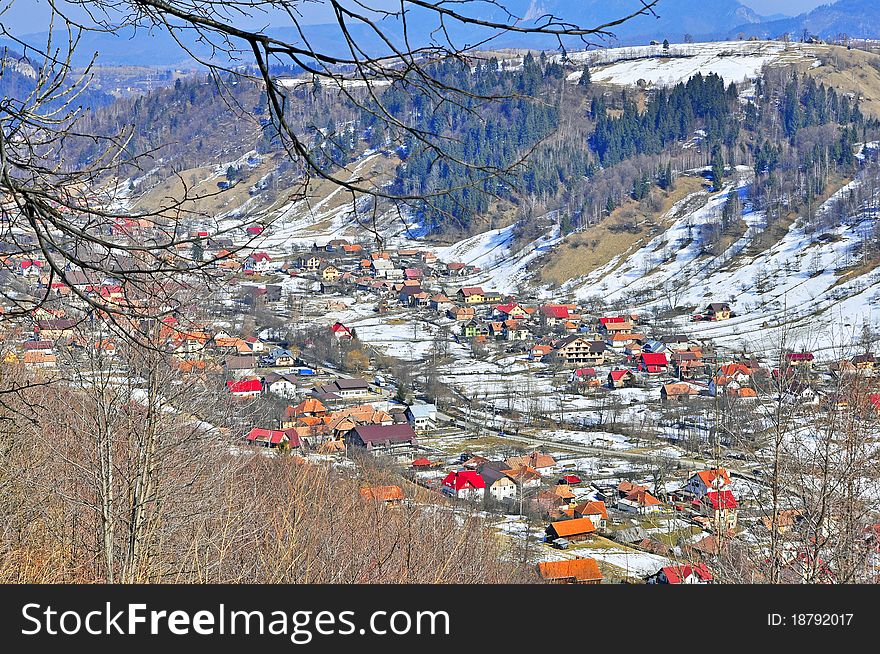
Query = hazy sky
x=29 y=16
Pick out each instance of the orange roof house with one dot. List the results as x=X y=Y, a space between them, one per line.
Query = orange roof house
x=574 y=571
x=587 y=509
x=308 y=407
x=564 y=491
x=708 y=477
x=535 y=460
x=576 y=529
x=523 y=474
x=385 y=494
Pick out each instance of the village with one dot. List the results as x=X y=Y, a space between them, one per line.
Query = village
x=607 y=446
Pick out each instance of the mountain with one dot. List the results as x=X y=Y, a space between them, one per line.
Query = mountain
x=854 y=18
x=673 y=20
x=19 y=79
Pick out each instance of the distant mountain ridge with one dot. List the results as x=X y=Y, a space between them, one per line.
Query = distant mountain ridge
x=672 y=19
x=853 y=18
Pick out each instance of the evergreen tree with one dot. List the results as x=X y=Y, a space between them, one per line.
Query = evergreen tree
x=585 y=77
x=717 y=168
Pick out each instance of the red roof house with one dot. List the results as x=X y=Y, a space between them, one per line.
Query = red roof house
x=653 y=362
x=683 y=574
x=245 y=387
x=267 y=437
x=464 y=483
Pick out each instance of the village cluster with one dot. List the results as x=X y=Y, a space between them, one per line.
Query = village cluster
x=591 y=517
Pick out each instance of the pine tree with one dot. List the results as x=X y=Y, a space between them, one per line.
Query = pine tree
x=717 y=168
x=585 y=77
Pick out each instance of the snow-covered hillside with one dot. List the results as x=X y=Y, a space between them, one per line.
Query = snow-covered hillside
x=734 y=61
x=794 y=285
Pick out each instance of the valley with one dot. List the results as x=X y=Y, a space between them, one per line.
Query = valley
x=616 y=307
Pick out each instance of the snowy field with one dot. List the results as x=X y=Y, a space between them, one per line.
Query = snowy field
x=733 y=61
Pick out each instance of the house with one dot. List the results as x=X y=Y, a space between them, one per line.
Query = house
x=55 y=329
x=576 y=529
x=281 y=385
x=678 y=392
x=382 y=437
x=621 y=379
x=631 y=342
x=688 y=364
x=720 y=507
x=335 y=244
x=653 y=362
x=786 y=520
x=573 y=571
x=35 y=359
x=582 y=379
x=422 y=417
x=640 y=502
x=501 y=487
x=799 y=359
x=383 y=268
x=329 y=273
x=244 y=362
x=738 y=371
x=471 y=295
x=269 y=437
x=554 y=314
x=700 y=483
x=596 y=511
x=654 y=346
x=245 y=387
x=464 y=485
x=611 y=326
x=514 y=331
x=382 y=494
x=538 y=352
x=309 y=407
x=440 y=302
x=340 y=331
x=461 y=314
x=258 y=262
x=474 y=328
x=344 y=388
x=536 y=460
x=38 y=346
x=718 y=311
x=676 y=342
x=30 y=267
x=864 y=361
x=509 y=311
x=525 y=476
x=456 y=268
x=577 y=350
x=564 y=492
x=279 y=357
x=682 y=574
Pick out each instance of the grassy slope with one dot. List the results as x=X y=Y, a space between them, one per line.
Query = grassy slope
x=583 y=252
x=851 y=71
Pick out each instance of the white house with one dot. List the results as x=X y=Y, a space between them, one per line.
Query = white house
x=464 y=484
x=501 y=487
x=422 y=417
x=258 y=262
x=704 y=481
x=281 y=385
